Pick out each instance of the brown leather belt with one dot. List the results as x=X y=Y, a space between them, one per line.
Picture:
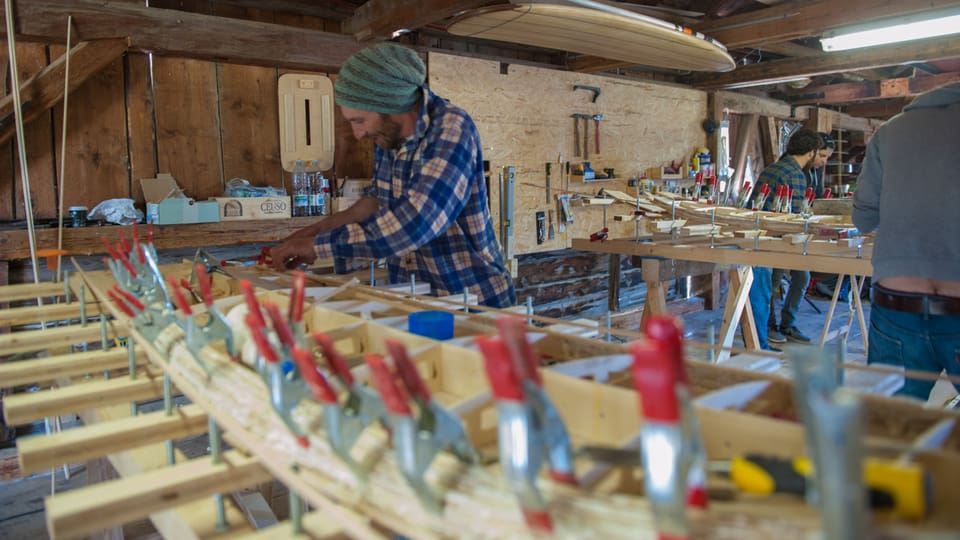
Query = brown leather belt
x=929 y=304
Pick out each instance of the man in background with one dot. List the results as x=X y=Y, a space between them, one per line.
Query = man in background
x=788 y=171
x=908 y=192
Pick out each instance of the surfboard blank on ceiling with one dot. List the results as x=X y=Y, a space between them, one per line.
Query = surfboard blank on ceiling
x=639 y=40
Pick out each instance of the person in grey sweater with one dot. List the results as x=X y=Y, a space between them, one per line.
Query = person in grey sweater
x=909 y=193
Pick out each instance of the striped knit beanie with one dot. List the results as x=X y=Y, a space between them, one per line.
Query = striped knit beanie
x=384 y=78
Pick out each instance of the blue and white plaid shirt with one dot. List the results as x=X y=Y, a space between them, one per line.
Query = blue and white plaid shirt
x=785 y=172
x=433 y=218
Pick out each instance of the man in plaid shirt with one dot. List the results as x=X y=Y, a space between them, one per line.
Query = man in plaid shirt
x=426 y=212
x=787 y=171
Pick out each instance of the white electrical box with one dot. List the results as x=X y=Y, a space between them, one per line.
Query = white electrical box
x=306 y=120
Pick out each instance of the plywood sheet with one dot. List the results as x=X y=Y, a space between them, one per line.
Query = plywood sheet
x=95 y=158
x=188 y=133
x=523 y=117
x=628 y=37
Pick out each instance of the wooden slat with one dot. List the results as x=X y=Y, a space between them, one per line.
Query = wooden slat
x=46 y=312
x=76 y=513
x=64 y=365
x=45 y=89
x=25 y=291
x=52 y=338
x=316 y=525
x=28 y=407
x=176 y=33
x=781 y=70
x=80 y=444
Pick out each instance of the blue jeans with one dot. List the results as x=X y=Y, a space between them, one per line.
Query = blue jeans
x=924 y=343
x=799 y=279
x=761 y=291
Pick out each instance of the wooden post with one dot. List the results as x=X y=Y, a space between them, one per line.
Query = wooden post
x=656 y=302
x=737 y=298
x=745 y=136
x=613 y=282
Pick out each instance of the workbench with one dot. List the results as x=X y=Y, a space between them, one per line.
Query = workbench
x=742 y=255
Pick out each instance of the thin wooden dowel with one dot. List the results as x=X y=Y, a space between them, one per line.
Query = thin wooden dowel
x=63 y=147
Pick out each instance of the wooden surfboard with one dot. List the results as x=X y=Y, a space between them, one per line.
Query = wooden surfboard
x=628 y=37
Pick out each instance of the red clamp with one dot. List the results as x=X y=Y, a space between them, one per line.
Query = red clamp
x=600 y=235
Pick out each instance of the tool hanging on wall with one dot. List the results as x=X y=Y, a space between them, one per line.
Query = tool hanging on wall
x=551 y=235
x=541 y=230
x=577 y=117
x=596 y=132
x=548 y=171
x=506 y=210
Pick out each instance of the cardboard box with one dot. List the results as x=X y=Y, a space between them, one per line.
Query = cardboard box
x=250 y=208
x=167 y=205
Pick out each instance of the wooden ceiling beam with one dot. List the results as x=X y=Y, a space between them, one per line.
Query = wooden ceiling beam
x=776 y=71
x=882 y=109
x=379 y=19
x=187 y=35
x=870 y=90
x=794 y=20
x=336 y=11
x=45 y=89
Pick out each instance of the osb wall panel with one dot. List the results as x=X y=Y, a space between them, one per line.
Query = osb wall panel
x=524 y=120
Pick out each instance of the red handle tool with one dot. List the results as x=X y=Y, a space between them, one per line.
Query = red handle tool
x=337 y=363
x=315 y=380
x=393 y=396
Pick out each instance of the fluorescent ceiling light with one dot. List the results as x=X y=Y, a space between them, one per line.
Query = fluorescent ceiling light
x=920 y=26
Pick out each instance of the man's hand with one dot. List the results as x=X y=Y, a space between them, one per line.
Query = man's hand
x=294 y=251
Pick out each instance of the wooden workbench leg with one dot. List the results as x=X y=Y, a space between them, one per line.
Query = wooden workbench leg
x=738 y=295
x=656 y=302
x=613 y=282
x=830 y=310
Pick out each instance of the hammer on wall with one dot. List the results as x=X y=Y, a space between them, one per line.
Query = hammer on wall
x=576 y=134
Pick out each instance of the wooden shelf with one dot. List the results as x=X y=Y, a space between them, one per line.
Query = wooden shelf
x=86 y=241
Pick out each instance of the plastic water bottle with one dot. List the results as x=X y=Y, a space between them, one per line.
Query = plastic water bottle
x=301 y=191
x=317 y=200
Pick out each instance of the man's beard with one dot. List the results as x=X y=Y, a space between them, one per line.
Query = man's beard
x=388 y=137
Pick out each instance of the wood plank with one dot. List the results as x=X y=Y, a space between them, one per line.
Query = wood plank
x=316 y=525
x=783 y=70
x=64 y=365
x=87 y=442
x=52 y=338
x=38 y=139
x=379 y=19
x=188 y=130
x=76 y=513
x=738 y=103
x=26 y=291
x=174 y=33
x=141 y=128
x=29 y=407
x=192 y=520
x=8 y=175
x=738 y=297
x=832 y=264
x=792 y=20
x=45 y=88
x=47 y=312
x=96 y=165
x=86 y=241
x=870 y=90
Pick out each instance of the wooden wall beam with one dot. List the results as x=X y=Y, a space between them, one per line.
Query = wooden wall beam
x=64 y=365
x=24 y=408
x=740 y=103
x=76 y=445
x=77 y=513
x=793 y=20
x=745 y=137
x=881 y=109
x=870 y=90
x=783 y=70
x=51 y=338
x=186 y=35
x=45 y=89
x=379 y=19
